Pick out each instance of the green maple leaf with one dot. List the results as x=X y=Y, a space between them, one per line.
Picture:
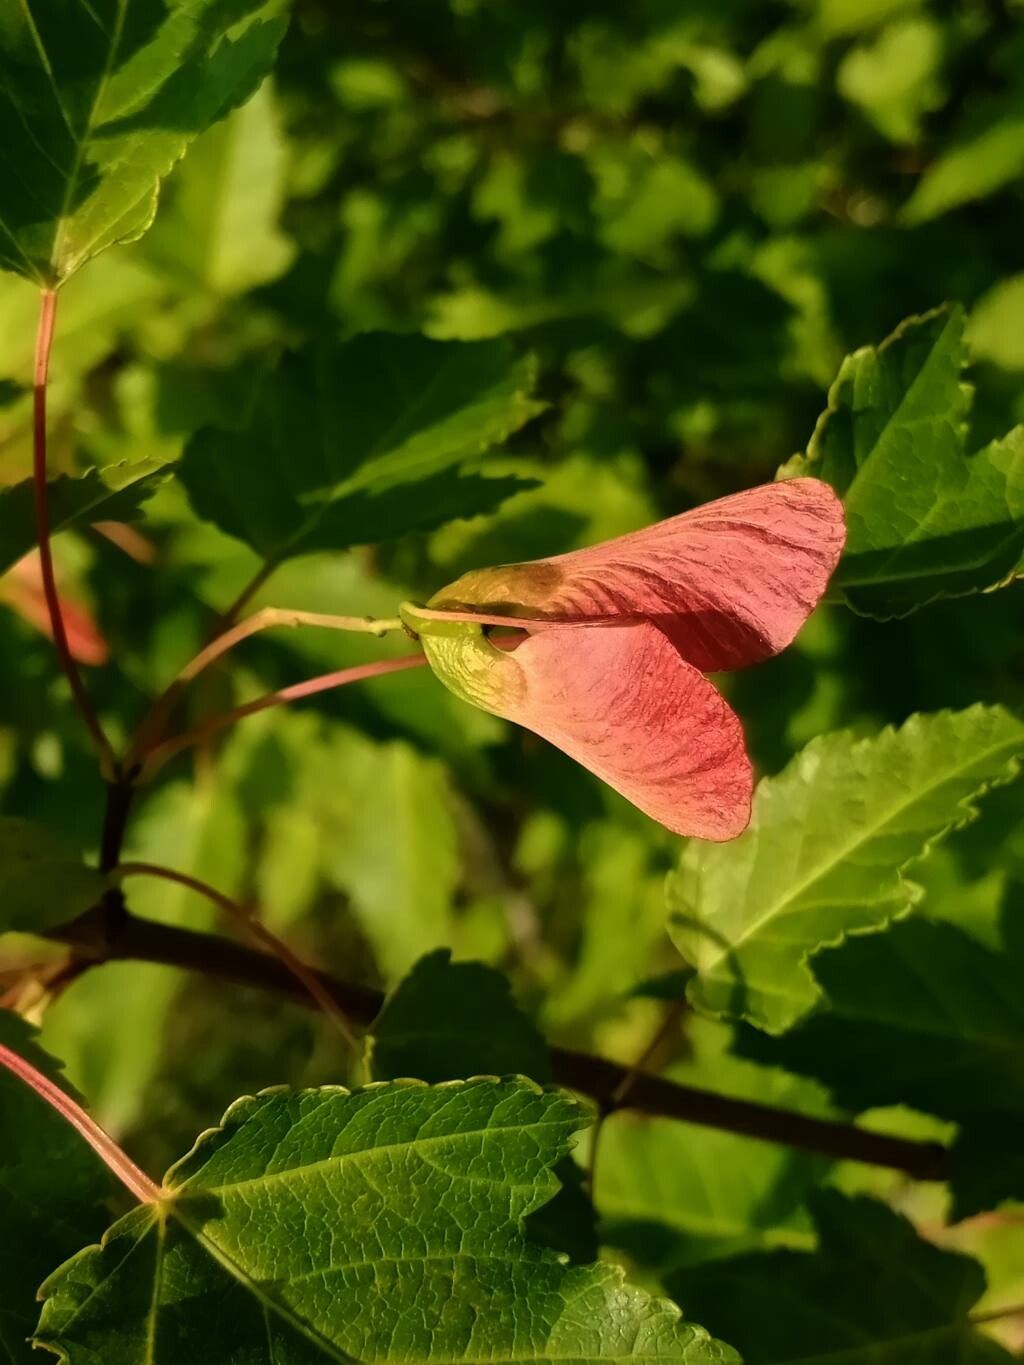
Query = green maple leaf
x=947 y=1015
x=429 y=1028
x=358 y=442
x=925 y=519
x=217 y=227
x=381 y=1224
x=874 y=1293
x=673 y=1194
x=115 y=493
x=98 y=101
x=824 y=854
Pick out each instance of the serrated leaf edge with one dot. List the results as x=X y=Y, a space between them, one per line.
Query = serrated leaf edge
x=968 y=814
x=601 y=1273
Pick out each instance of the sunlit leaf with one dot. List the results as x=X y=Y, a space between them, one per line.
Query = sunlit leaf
x=925 y=519
x=894 y=79
x=99 y=99
x=383 y=1224
x=430 y=1029
x=218 y=227
x=824 y=853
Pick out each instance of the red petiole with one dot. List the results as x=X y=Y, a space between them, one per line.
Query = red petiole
x=135 y=1180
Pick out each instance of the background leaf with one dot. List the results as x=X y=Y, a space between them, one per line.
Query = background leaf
x=43 y=882
x=115 y=1055
x=674 y=1194
x=397 y=856
x=218 y=225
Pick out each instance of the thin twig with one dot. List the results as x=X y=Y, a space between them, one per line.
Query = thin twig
x=128 y=540
x=140 y=940
x=152 y=728
x=159 y=755
x=44 y=342
x=618 y=1096
x=117 y=1160
x=271 y=618
x=252 y=925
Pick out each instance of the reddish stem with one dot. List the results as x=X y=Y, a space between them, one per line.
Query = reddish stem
x=44 y=342
x=154 y=725
x=271 y=618
x=159 y=755
x=252 y=926
x=135 y=1180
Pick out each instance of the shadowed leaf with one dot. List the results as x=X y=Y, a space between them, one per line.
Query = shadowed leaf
x=43 y=882
x=115 y=493
x=52 y=1189
x=946 y=1014
x=874 y=1292
x=358 y=442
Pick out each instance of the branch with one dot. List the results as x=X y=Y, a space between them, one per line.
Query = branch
x=276 y=618
x=146 y=941
x=159 y=755
x=250 y=924
x=151 y=730
x=116 y=810
x=44 y=341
